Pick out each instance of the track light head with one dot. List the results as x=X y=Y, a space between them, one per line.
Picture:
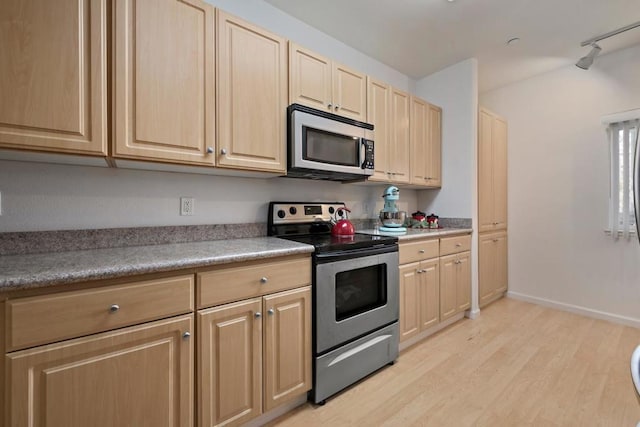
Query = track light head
x=586 y=61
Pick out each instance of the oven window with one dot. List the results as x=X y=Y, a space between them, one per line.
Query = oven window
x=360 y=290
x=328 y=147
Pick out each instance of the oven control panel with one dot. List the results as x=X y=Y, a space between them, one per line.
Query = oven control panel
x=302 y=212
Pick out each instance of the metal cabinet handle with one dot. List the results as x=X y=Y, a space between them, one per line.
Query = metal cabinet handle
x=458 y=245
x=186 y=335
x=209 y=150
x=258 y=315
x=223 y=151
x=270 y=312
x=421 y=251
x=114 y=308
x=495 y=240
x=337 y=107
x=264 y=280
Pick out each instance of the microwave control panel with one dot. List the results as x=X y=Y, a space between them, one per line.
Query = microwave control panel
x=368 y=161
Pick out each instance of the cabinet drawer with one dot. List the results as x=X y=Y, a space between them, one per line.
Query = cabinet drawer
x=247 y=280
x=416 y=251
x=452 y=245
x=43 y=319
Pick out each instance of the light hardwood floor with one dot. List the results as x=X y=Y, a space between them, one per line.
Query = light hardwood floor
x=518 y=364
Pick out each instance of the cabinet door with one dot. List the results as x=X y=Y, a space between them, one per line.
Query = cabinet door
x=463 y=281
x=485 y=171
x=138 y=376
x=309 y=78
x=409 y=301
x=229 y=363
x=486 y=268
x=349 y=93
x=448 y=288
x=429 y=294
x=287 y=346
x=378 y=114
x=252 y=97
x=164 y=80
x=399 y=137
x=419 y=136
x=499 y=162
x=434 y=152
x=501 y=276
x=53 y=75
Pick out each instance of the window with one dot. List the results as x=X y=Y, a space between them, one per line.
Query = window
x=623 y=137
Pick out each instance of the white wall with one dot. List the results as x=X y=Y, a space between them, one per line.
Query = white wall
x=455 y=89
x=559 y=187
x=38 y=196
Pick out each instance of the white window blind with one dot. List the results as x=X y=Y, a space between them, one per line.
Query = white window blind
x=623 y=137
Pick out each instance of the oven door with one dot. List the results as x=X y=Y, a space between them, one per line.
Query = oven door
x=354 y=295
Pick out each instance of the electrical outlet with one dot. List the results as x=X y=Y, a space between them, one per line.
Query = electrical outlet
x=187 y=206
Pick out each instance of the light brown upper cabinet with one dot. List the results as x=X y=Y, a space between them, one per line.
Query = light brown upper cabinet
x=320 y=83
x=426 y=141
x=164 y=81
x=252 y=97
x=398 y=148
x=492 y=171
x=379 y=115
x=53 y=75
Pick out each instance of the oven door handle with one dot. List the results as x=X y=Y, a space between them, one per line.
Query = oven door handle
x=355 y=253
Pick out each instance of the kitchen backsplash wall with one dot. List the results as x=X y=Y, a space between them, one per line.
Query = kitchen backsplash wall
x=39 y=196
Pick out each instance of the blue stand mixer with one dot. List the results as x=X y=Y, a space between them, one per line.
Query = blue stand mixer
x=392 y=218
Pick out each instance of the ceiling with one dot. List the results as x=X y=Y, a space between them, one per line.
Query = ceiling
x=420 y=37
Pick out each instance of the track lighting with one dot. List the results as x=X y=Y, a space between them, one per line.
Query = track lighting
x=586 y=61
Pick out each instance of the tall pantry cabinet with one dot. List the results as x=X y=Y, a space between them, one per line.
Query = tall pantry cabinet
x=492 y=206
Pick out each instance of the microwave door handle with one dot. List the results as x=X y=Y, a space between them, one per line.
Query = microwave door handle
x=363 y=152
x=636 y=183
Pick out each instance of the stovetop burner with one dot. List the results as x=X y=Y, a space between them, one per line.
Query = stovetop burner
x=309 y=222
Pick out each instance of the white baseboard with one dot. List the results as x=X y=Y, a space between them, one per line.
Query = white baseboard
x=589 y=312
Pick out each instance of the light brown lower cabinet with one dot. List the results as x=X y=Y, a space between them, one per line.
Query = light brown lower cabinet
x=455 y=284
x=136 y=376
x=492 y=266
x=435 y=282
x=253 y=355
x=419 y=297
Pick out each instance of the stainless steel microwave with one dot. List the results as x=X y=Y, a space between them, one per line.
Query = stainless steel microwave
x=322 y=145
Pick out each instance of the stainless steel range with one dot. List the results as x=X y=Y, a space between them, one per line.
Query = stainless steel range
x=355 y=295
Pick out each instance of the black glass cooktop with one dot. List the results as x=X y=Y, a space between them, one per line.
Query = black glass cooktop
x=327 y=242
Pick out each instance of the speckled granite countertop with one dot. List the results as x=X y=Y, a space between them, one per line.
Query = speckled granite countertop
x=57 y=268
x=419 y=233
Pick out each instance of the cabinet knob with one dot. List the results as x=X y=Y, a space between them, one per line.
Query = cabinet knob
x=186 y=335
x=114 y=308
x=495 y=240
x=337 y=107
x=264 y=280
x=329 y=105
x=258 y=315
x=223 y=151
x=209 y=150
x=458 y=245
x=421 y=251
x=270 y=312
